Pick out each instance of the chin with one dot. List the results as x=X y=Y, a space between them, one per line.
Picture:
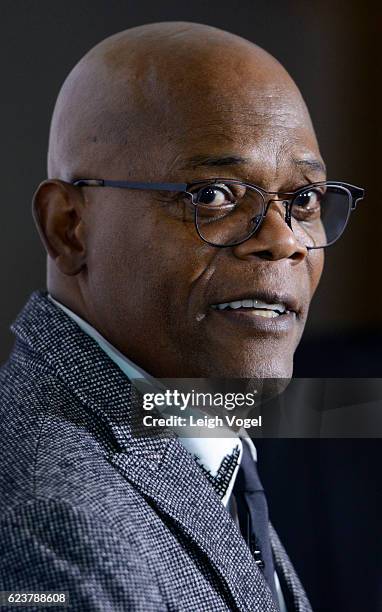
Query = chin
x=246 y=369
x=260 y=369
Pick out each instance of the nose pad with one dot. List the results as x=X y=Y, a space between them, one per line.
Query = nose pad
x=255 y=221
x=288 y=207
x=288 y=216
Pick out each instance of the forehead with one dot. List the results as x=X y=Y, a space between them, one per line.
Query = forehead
x=269 y=131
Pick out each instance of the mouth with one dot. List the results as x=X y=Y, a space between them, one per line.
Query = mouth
x=270 y=312
x=267 y=306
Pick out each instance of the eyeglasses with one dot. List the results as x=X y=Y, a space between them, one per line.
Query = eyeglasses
x=228 y=212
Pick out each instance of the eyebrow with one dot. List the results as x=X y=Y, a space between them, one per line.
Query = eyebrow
x=236 y=160
x=312 y=164
x=210 y=160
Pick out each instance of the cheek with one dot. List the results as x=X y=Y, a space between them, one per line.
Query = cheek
x=315 y=263
x=121 y=264
x=141 y=265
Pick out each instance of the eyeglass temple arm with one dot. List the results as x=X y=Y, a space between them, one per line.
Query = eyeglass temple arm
x=130 y=185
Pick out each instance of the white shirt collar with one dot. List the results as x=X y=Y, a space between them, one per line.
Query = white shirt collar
x=219 y=458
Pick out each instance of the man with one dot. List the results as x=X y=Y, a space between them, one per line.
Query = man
x=184 y=218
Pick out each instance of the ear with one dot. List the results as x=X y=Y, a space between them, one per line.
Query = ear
x=57 y=211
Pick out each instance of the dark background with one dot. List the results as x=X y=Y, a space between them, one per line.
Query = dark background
x=324 y=495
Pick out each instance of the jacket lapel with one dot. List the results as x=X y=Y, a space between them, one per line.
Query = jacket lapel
x=295 y=596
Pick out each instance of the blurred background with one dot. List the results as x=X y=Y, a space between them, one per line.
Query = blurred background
x=324 y=495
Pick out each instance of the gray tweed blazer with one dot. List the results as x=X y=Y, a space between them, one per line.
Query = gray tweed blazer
x=91 y=505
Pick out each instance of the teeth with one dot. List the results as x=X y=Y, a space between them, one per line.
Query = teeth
x=271 y=310
x=268 y=314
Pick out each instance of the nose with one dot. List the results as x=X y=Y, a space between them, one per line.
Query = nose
x=274 y=239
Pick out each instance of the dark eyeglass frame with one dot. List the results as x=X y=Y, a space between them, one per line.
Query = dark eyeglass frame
x=355 y=195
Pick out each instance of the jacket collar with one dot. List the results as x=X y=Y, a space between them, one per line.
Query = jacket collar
x=83 y=367
x=152 y=463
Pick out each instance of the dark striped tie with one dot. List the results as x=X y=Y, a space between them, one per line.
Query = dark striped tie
x=253 y=518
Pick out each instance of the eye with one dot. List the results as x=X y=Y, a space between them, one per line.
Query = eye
x=309 y=200
x=214 y=196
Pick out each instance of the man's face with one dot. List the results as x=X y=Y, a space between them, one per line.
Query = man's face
x=151 y=281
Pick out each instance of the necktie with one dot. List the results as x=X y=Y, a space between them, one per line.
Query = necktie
x=252 y=510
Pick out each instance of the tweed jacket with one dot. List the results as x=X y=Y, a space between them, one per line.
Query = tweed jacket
x=92 y=505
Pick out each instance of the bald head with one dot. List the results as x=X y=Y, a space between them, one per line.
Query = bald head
x=138 y=89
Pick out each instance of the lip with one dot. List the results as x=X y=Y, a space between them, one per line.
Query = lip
x=282 y=324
